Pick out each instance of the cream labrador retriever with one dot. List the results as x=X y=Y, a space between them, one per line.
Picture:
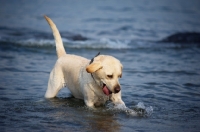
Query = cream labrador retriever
x=95 y=81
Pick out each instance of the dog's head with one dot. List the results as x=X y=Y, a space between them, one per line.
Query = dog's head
x=106 y=71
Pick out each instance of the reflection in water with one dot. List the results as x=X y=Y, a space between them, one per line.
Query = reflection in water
x=72 y=113
x=103 y=123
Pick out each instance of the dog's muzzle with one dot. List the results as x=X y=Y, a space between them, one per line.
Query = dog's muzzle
x=117 y=89
x=106 y=91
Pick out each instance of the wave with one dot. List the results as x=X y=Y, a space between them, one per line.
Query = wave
x=103 y=43
x=30 y=38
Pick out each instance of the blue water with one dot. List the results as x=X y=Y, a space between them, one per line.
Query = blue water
x=161 y=76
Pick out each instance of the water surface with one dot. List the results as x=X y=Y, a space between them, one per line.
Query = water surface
x=164 y=76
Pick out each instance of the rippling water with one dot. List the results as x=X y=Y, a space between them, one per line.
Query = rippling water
x=163 y=78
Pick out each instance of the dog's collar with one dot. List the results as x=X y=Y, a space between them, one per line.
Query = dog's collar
x=93 y=77
x=91 y=62
x=94 y=57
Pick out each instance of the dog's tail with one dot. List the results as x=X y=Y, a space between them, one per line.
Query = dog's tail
x=59 y=44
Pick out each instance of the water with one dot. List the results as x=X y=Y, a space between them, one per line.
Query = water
x=160 y=80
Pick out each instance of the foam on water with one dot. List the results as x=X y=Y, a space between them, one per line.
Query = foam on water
x=35 y=43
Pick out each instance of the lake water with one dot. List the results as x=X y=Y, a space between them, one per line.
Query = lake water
x=160 y=80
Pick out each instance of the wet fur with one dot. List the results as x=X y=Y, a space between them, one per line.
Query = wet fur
x=85 y=79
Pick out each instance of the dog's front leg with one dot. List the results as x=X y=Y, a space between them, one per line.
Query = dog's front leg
x=116 y=99
x=89 y=103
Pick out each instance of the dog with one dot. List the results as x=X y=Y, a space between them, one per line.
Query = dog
x=95 y=81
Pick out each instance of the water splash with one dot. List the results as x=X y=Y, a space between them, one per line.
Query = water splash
x=142 y=110
x=139 y=110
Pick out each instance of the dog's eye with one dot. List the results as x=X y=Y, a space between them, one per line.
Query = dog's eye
x=120 y=76
x=110 y=76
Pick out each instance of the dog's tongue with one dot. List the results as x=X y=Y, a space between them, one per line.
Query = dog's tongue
x=106 y=90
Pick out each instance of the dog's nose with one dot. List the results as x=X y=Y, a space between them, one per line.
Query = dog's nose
x=117 y=89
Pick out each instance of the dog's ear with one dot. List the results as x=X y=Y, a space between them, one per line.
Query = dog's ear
x=93 y=67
